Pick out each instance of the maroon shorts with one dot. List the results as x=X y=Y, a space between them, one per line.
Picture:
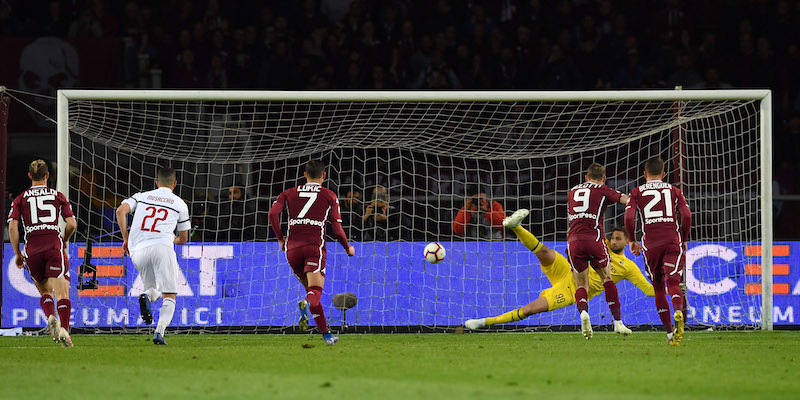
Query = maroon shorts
x=50 y=263
x=663 y=261
x=306 y=259
x=582 y=253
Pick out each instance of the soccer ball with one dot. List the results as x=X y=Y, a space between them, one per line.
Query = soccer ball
x=434 y=253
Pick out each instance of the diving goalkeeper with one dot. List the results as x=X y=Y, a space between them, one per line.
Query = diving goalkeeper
x=558 y=271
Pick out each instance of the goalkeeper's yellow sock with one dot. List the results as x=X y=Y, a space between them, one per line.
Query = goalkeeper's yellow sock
x=511 y=316
x=531 y=242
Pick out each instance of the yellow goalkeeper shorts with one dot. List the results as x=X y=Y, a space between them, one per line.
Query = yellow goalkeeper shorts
x=562 y=293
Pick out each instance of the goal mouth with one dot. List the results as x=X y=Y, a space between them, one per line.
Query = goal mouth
x=431 y=151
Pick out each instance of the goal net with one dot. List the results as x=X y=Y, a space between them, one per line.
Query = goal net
x=416 y=158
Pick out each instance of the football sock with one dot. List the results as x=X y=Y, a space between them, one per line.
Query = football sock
x=313 y=296
x=319 y=318
x=64 y=309
x=153 y=294
x=531 y=242
x=511 y=316
x=612 y=298
x=47 y=305
x=675 y=292
x=662 y=305
x=165 y=314
x=582 y=300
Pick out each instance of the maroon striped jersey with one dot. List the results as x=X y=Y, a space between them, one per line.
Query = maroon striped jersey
x=586 y=204
x=38 y=209
x=663 y=212
x=310 y=207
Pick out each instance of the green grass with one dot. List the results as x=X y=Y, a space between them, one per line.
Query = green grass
x=708 y=365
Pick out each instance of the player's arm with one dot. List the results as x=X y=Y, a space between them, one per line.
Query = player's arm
x=630 y=224
x=636 y=277
x=338 y=231
x=13 y=231
x=70 y=228
x=275 y=219
x=686 y=216
x=616 y=196
x=462 y=218
x=122 y=220
x=496 y=215
x=69 y=218
x=13 y=235
x=184 y=224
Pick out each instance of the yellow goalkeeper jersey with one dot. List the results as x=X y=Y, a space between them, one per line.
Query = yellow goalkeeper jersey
x=621 y=269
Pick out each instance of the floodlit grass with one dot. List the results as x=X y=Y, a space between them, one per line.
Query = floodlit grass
x=708 y=365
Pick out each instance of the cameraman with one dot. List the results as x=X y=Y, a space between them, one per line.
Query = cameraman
x=379 y=217
x=487 y=222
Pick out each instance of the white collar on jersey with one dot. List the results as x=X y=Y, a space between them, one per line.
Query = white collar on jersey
x=313 y=183
x=164 y=187
x=35 y=186
x=655 y=180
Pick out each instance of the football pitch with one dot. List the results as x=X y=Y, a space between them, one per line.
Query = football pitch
x=707 y=365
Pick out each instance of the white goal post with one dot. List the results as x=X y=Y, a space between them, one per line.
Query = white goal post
x=763 y=98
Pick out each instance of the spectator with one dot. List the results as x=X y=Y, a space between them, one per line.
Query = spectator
x=438 y=75
x=480 y=217
x=55 y=23
x=380 y=218
x=335 y=10
x=217 y=76
x=632 y=75
x=186 y=74
x=685 y=75
x=558 y=72
x=352 y=211
x=86 y=25
x=236 y=219
x=712 y=80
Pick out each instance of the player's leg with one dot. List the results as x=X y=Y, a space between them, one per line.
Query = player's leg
x=144 y=263
x=656 y=276
x=296 y=258
x=612 y=298
x=165 y=314
x=582 y=301
x=673 y=272
x=601 y=266
x=64 y=309
x=535 y=307
x=58 y=260
x=316 y=281
x=48 y=304
x=315 y=276
x=580 y=272
x=528 y=239
x=166 y=274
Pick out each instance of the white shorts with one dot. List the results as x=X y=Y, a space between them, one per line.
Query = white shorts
x=158 y=266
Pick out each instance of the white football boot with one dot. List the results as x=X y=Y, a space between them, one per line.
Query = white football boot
x=473 y=324
x=621 y=329
x=586 y=325
x=515 y=218
x=54 y=327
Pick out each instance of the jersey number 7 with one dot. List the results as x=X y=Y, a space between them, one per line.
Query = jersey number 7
x=312 y=197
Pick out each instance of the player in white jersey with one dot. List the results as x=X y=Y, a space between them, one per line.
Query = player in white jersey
x=156 y=216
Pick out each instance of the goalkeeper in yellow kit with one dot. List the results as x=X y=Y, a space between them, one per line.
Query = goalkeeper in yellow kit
x=558 y=271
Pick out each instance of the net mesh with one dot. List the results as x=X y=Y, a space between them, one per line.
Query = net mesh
x=430 y=157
